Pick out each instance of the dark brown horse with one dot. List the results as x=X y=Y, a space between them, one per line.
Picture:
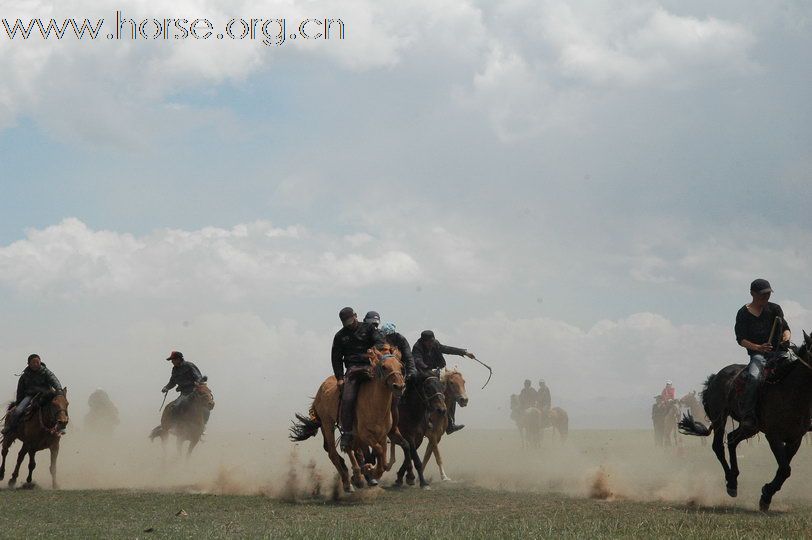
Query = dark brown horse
x=783 y=416
x=189 y=423
x=42 y=429
x=422 y=406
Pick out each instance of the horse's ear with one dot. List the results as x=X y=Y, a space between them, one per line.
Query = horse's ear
x=807 y=339
x=65 y=391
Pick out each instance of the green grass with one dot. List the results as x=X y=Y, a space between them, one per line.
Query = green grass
x=448 y=511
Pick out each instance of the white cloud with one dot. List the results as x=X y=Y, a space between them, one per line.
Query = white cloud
x=256 y=258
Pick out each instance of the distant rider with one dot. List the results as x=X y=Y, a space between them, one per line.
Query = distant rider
x=545 y=401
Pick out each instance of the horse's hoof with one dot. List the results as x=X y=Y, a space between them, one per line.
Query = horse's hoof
x=29 y=485
x=426 y=487
x=349 y=489
x=371 y=482
x=410 y=481
x=12 y=483
x=398 y=484
x=732 y=491
x=446 y=479
x=763 y=504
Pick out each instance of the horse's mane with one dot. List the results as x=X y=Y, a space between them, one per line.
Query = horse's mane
x=446 y=372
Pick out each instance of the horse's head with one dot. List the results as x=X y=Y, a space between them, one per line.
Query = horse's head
x=203 y=395
x=804 y=352
x=59 y=402
x=388 y=369
x=454 y=383
x=430 y=390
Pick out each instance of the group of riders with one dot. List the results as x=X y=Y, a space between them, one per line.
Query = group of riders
x=530 y=397
x=351 y=361
x=37 y=381
x=755 y=330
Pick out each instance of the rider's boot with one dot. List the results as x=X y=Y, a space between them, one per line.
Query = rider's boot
x=453 y=427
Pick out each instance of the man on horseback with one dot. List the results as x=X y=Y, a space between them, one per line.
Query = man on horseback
x=428 y=354
x=754 y=323
x=528 y=397
x=350 y=346
x=669 y=392
x=395 y=339
x=35 y=379
x=545 y=401
x=186 y=376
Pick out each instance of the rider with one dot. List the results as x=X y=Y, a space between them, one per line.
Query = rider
x=102 y=410
x=185 y=375
x=545 y=402
x=395 y=339
x=754 y=322
x=528 y=397
x=669 y=392
x=350 y=346
x=428 y=354
x=35 y=379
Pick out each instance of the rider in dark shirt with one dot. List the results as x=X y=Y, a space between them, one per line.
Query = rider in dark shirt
x=350 y=346
x=754 y=322
x=35 y=379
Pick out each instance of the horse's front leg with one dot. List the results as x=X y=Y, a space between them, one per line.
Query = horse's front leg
x=31 y=466
x=357 y=477
x=4 y=451
x=54 y=455
x=20 y=457
x=192 y=445
x=783 y=456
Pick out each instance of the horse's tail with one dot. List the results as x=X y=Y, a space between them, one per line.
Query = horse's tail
x=157 y=431
x=306 y=427
x=689 y=426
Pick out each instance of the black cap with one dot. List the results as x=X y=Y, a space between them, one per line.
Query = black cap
x=372 y=317
x=426 y=334
x=346 y=313
x=175 y=355
x=760 y=286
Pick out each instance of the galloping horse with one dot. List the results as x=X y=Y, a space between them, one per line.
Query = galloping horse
x=558 y=419
x=42 y=429
x=423 y=405
x=454 y=391
x=189 y=423
x=373 y=418
x=783 y=415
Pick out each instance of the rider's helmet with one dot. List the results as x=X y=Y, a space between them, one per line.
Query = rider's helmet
x=668 y=382
x=388 y=328
x=372 y=317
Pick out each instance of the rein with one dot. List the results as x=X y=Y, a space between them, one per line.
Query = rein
x=52 y=430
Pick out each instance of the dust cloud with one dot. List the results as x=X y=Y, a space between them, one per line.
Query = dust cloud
x=606 y=465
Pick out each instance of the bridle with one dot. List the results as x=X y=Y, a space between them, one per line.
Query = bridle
x=426 y=398
x=53 y=430
x=380 y=371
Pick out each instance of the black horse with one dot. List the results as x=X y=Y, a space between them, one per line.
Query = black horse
x=783 y=416
x=423 y=402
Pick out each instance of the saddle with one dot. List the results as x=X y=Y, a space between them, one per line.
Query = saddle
x=776 y=368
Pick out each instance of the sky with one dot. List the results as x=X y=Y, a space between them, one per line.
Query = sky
x=574 y=191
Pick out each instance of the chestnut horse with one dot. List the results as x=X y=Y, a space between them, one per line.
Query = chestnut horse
x=454 y=390
x=373 y=418
x=42 y=429
x=558 y=419
x=188 y=424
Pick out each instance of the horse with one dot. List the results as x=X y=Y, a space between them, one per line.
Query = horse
x=691 y=403
x=531 y=422
x=41 y=429
x=422 y=406
x=665 y=419
x=558 y=419
x=189 y=423
x=454 y=390
x=373 y=418
x=783 y=415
